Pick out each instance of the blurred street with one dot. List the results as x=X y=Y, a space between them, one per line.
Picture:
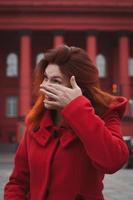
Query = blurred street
x=118 y=186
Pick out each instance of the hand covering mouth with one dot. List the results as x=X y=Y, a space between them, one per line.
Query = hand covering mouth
x=49 y=98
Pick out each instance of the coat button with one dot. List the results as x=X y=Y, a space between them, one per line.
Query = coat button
x=79 y=197
x=36 y=128
x=55 y=134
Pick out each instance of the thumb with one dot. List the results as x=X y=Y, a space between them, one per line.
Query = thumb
x=73 y=82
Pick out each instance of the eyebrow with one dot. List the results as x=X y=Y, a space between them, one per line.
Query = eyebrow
x=53 y=76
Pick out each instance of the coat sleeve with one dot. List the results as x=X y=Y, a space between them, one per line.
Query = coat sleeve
x=102 y=140
x=17 y=187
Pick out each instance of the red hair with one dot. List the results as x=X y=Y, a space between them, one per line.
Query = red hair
x=71 y=61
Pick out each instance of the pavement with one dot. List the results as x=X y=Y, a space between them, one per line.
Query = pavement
x=6 y=158
x=117 y=186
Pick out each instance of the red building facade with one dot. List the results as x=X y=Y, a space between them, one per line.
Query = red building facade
x=27 y=28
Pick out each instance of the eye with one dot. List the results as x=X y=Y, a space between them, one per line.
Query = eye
x=56 y=81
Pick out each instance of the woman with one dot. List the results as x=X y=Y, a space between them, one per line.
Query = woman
x=73 y=135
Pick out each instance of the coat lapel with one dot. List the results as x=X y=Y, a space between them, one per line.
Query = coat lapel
x=43 y=134
x=42 y=137
x=68 y=138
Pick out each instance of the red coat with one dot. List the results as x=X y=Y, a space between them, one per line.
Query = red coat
x=68 y=162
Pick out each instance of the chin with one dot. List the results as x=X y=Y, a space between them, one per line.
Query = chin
x=49 y=106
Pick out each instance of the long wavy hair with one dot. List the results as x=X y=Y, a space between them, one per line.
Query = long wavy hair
x=71 y=61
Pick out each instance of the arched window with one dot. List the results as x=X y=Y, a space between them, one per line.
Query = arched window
x=101 y=65
x=12 y=65
x=131 y=106
x=130 y=67
x=39 y=57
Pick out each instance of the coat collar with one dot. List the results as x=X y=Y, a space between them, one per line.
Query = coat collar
x=119 y=105
x=44 y=133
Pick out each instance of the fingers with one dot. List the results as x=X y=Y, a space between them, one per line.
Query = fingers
x=50 y=89
x=53 y=96
x=57 y=87
x=73 y=82
x=53 y=103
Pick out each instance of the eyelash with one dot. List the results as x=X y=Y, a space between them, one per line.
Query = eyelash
x=56 y=81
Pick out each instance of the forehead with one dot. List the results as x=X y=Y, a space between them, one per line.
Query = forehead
x=53 y=70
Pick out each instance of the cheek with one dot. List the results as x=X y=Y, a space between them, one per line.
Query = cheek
x=66 y=84
x=43 y=82
x=47 y=105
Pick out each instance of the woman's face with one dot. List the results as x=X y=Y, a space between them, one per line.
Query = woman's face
x=53 y=75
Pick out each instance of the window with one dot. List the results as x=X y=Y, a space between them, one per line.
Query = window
x=130 y=66
x=12 y=137
x=39 y=57
x=131 y=106
x=101 y=65
x=12 y=65
x=11 y=106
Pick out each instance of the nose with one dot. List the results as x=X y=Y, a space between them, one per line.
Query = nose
x=44 y=83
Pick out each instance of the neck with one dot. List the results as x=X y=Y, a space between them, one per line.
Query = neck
x=56 y=116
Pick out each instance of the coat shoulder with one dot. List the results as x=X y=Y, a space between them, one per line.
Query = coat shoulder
x=118 y=105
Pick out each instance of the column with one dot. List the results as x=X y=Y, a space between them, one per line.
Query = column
x=58 y=39
x=25 y=81
x=25 y=74
x=124 y=80
x=91 y=45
